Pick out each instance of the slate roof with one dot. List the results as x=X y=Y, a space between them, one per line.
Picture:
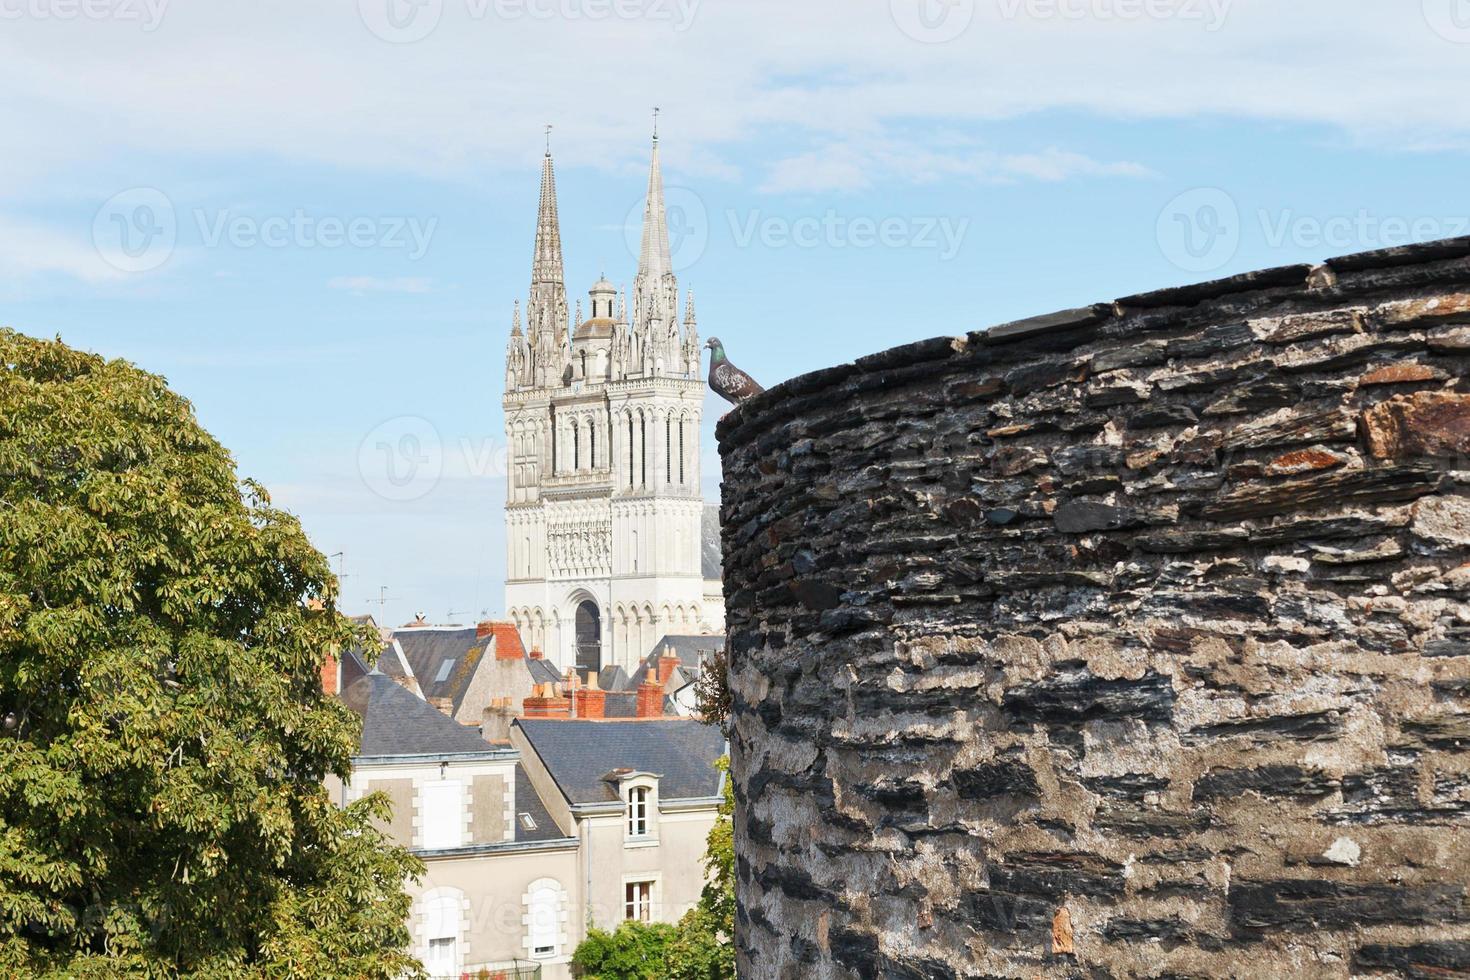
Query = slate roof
x=543 y=671
x=579 y=754
x=692 y=652
x=711 y=556
x=613 y=678
x=395 y=722
x=528 y=801
x=443 y=660
x=353 y=668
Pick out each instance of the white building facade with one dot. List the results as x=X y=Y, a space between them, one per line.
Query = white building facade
x=604 y=514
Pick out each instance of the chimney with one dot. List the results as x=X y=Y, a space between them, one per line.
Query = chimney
x=536 y=654
x=483 y=629
x=591 y=700
x=650 y=700
x=507 y=642
x=496 y=719
x=666 y=664
x=331 y=676
x=546 y=703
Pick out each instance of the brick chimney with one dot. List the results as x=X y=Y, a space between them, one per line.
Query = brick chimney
x=591 y=700
x=666 y=664
x=331 y=676
x=536 y=654
x=545 y=702
x=507 y=641
x=650 y=700
x=483 y=629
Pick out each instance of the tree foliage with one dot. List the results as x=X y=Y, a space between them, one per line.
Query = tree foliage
x=165 y=736
x=700 y=947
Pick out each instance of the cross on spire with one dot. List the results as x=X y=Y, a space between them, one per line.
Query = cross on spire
x=656 y=111
x=548 y=139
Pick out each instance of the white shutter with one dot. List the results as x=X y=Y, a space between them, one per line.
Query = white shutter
x=442 y=812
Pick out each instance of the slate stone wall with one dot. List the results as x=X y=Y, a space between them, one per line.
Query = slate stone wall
x=1128 y=641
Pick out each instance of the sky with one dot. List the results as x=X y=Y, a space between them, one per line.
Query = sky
x=313 y=216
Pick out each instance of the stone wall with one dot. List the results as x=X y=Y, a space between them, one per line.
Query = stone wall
x=1126 y=641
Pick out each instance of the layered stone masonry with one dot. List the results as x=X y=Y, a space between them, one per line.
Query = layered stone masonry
x=1127 y=641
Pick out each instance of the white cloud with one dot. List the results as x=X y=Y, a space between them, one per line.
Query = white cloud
x=28 y=249
x=856 y=166
x=373 y=284
x=305 y=80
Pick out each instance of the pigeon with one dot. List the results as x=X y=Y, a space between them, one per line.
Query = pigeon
x=727 y=380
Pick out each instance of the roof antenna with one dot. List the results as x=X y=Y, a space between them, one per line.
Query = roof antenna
x=548 y=139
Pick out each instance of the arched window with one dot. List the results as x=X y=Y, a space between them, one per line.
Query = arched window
x=631 y=481
x=643 y=449
x=591 y=445
x=441 y=910
x=576 y=447
x=683 y=424
x=543 y=900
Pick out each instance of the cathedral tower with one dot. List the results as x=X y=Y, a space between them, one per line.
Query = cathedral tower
x=605 y=523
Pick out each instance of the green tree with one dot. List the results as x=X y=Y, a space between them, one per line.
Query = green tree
x=704 y=945
x=165 y=737
x=632 y=951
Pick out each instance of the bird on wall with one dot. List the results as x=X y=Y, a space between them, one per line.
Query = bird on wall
x=727 y=380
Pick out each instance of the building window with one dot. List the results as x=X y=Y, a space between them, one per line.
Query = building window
x=638 y=811
x=592 y=446
x=643 y=451
x=442 y=910
x=442 y=811
x=630 y=450
x=668 y=456
x=682 y=427
x=638 y=901
x=576 y=447
x=543 y=918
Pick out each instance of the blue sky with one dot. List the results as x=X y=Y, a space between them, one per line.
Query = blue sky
x=351 y=197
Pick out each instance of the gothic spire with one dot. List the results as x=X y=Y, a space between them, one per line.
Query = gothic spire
x=546 y=267
x=654 y=262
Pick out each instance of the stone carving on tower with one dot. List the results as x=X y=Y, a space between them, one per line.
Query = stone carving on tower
x=604 y=517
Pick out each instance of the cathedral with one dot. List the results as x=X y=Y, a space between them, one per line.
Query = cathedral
x=608 y=538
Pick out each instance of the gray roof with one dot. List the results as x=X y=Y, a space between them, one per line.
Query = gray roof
x=580 y=754
x=529 y=802
x=692 y=652
x=443 y=660
x=354 y=668
x=542 y=671
x=395 y=722
x=613 y=678
x=711 y=555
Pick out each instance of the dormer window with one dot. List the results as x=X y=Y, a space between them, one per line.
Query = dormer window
x=638 y=811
